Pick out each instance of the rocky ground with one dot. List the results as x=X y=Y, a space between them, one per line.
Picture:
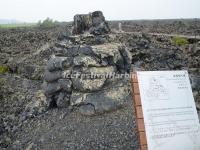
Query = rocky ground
x=167 y=26
x=92 y=114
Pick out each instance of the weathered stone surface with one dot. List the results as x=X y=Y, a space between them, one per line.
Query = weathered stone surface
x=87 y=110
x=90 y=39
x=86 y=61
x=109 y=99
x=93 y=72
x=126 y=59
x=88 y=85
x=66 y=85
x=113 y=54
x=108 y=52
x=101 y=29
x=77 y=98
x=87 y=50
x=82 y=23
x=62 y=100
x=52 y=88
x=59 y=63
x=97 y=18
x=100 y=70
x=104 y=100
x=52 y=76
x=94 y=23
x=72 y=51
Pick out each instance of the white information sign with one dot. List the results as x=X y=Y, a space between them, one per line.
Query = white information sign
x=170 y=115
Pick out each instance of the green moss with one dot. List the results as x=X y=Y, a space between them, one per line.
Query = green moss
x=180 y=41
x=3 y=68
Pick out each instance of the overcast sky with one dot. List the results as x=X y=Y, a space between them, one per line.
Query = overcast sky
x=64 y=10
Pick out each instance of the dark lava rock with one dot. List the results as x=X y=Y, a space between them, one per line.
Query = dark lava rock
x=93 y=22
x=59 y=63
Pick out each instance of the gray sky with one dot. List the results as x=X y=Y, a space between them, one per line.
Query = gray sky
x=64 y=10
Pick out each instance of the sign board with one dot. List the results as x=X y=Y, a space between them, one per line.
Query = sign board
x=169 y=111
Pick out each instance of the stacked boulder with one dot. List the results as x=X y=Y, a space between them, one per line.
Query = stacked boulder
x=93 y=23
x=57 y=88
x=69 y=81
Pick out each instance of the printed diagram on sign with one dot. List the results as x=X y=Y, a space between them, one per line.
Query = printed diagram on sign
x=157 y=88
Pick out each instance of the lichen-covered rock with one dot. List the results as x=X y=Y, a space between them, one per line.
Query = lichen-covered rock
x=107 y=50
x=112 y=54
x=86 y=61
x=90 y=39
x=88 y=85
x=102 y=71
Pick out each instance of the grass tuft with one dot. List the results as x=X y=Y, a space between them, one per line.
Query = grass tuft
x=180 y=41
x=4 y=69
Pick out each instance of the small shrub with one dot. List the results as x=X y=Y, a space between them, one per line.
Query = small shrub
x=47 y=23
x=3 y=69
x=180 y=41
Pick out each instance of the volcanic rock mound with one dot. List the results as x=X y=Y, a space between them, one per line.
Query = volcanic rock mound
x=78 y=77
x=82 y=73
